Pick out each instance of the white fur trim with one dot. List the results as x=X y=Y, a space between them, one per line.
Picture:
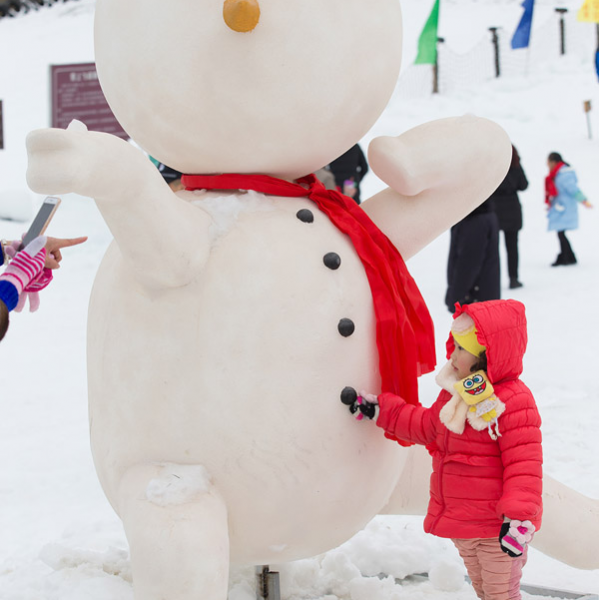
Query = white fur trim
x=453 y=414
x=446 y=377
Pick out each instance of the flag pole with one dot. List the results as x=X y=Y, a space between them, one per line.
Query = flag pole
x=436 y=68
x=427 y=45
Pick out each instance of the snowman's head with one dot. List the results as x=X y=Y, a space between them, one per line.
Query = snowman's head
x=298 y=85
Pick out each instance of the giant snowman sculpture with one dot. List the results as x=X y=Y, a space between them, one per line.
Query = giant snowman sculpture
x=219 y=338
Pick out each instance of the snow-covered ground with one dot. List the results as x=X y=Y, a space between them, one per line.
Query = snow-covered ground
x=59 y=538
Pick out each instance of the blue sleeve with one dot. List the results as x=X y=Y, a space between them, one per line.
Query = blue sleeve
x=8 y=294
x=567 y=183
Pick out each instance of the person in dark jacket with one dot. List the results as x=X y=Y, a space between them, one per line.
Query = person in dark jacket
x=473 y=264
x=509 y=213
x=349 y=170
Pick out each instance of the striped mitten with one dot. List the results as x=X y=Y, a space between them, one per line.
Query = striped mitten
x=514 y=536
x=25 y=276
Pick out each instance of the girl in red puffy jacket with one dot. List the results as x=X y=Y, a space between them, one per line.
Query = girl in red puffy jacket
x=483 y=433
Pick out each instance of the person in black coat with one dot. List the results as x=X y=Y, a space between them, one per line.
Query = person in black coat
x=349 y=170
x=473 y=264
x=509 y=212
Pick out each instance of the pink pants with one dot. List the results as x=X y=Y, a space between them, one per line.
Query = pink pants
x=495 y=575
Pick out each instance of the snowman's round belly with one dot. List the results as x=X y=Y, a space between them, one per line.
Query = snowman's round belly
x=242 y=371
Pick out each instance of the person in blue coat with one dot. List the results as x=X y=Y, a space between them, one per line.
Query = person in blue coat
x=562 y=196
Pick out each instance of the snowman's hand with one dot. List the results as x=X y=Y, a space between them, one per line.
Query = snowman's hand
x=89 y=163
x=55 y=165
x=163 y=238
x=442 y=155
x=437 y=173
x=392 y=160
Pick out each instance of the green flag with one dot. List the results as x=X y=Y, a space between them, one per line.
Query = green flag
x=427 y=43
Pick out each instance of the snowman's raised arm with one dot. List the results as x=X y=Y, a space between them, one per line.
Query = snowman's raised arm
x=437 y=173
x=163 y=238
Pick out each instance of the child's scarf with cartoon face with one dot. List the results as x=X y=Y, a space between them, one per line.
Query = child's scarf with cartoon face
x=481 y=411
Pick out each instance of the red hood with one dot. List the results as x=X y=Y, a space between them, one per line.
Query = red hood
x=501 y=328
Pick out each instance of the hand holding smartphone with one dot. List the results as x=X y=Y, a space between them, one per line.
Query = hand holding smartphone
x=42 y=220
x=53 y=245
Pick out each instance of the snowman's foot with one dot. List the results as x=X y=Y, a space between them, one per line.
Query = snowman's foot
x=176 y=524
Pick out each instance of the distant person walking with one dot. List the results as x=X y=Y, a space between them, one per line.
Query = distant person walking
x=349 y=170
x=562 y=196
x=509 y=213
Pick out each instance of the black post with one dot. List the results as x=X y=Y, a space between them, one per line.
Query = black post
x=268 y=585
x=436 y=68
x=562 y=28
x=495 y=40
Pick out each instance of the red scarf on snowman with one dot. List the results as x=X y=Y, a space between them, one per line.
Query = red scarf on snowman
x=404 y=329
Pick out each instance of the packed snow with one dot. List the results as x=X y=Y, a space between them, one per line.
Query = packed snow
x=60 y=539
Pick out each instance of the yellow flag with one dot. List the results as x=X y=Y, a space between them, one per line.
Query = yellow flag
x=589 y=12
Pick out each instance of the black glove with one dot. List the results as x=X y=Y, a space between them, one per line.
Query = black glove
x=368 y=406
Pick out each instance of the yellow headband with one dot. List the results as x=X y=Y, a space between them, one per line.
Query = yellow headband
x=468 y=341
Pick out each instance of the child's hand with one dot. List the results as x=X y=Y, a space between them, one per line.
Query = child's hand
x=514 y=536
x=368 y=407
x=53 y=247
x=587 y=204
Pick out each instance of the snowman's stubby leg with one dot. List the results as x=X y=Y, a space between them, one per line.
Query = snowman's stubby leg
x=570 y=529
x=176 y=525
x=411 y=494
x=437 y=173
x=163 y=238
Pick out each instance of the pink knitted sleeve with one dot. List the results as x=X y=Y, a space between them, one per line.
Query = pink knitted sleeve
x=24 y=269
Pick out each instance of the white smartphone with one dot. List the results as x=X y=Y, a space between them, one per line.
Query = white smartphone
x=42 y=219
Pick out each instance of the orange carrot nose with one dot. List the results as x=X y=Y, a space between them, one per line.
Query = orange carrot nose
x=241 y=15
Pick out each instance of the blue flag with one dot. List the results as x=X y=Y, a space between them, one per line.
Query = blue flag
x=521 y=37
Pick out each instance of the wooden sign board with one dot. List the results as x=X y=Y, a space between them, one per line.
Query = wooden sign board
x=76 y=94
